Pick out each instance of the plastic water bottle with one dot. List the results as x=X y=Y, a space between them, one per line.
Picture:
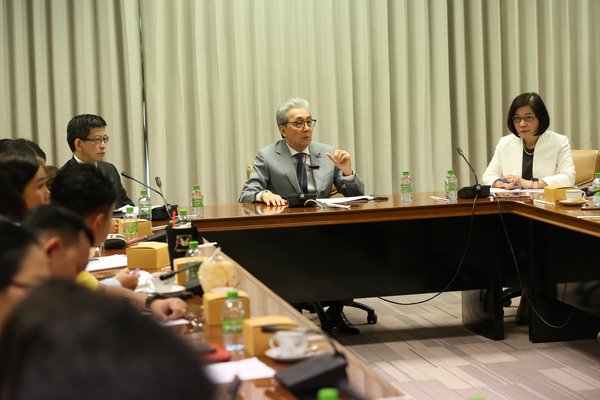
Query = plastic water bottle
x=130 y=224
x=193 y=251
x=596 y=189
x=232 y=320
x=406 y=187
x=197 y=202
x=183 y=221
x=145 y=206
x=451 y=186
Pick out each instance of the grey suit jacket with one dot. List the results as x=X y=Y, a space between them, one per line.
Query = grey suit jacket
x=274 y=170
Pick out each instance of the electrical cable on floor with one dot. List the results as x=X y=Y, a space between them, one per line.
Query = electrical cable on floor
x=514 y=257
x=460 y=265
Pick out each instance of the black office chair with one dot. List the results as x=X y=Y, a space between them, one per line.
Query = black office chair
x=319 y=308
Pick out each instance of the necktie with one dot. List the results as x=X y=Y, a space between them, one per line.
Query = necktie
x=301 y=172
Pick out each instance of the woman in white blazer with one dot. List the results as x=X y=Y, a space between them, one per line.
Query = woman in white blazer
x=533 y=156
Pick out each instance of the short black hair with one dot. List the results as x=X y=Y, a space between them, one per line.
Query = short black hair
x=14 y=243
x=79 y=127
x=4 y=142
x=25 y=146
x=83 y=189
x=16 y=170
x=536 y=103
x=111 y=350
x=55 y=220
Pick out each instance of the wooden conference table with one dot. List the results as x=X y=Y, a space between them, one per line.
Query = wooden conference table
x=383 y=248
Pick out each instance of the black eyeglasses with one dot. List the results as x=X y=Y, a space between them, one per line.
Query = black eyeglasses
x=97 y=140
x=300 y=123
x=528 y=118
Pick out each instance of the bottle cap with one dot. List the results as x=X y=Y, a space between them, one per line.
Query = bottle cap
x=232 y=294
x=196 y=187
x=450 y=172
x=144 y=191
x=182 y=212
x=193 y=244
x=328 y=394
x=405 y=172
x=129 y=210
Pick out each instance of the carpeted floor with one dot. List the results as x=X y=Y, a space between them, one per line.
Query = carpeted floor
x=425 y=351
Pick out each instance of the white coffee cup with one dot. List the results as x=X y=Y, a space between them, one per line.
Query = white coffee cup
x=289 y=343
x=575 y=194
x=163 y=286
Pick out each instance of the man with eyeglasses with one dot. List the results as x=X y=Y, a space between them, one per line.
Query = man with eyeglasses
x=87 y=138
x=294 y=165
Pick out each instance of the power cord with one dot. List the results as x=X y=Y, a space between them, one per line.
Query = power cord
x=460 y=265
x=514 y=257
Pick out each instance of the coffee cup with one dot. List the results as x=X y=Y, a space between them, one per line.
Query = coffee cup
x=575 y=194
x=289 y=343
x=162 y=286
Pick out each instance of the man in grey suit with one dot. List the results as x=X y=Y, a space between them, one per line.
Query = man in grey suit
x=86 y=136
x=295 y=165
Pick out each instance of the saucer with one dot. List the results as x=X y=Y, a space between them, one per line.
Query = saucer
x=274 y=355
x=573 y=202
x=173 y=290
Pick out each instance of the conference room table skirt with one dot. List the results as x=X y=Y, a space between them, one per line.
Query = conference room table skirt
x=332 y=262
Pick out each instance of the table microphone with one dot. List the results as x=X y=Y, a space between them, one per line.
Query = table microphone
x=171 y=274
x=159 y=184
x=477 y=190
x=167 y=206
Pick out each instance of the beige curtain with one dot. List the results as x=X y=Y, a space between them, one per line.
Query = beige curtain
x=61 y=58
x=399 y=83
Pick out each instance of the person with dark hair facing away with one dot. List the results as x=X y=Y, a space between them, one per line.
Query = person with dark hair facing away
x=23 y=183
x=81 y=345
x=87 y=139
x=64 y=236
x=531 y=157
x=23 y=265
x=86 y=191
x=26 y=146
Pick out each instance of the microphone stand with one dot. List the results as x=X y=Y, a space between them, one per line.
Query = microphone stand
x=167 y=206
x=477 y=190
x=159 y=184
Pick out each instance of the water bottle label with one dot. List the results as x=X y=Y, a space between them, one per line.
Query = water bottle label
x=233 y=326
x=132 y=228
x=197 y=203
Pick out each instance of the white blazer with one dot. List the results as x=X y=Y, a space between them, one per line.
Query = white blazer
x=552 y=160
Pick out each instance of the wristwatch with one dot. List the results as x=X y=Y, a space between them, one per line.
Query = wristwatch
x=150 y=298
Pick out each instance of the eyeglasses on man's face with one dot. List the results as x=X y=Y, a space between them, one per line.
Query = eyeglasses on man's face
x=300 y=123
x=97 y=140
x=527 y=118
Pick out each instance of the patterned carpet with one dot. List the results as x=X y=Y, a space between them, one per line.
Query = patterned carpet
x=426 y=352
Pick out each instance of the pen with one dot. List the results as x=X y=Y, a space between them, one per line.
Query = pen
x=134 y=272
x=543 y=202
x=440 y=198
x=505 y=181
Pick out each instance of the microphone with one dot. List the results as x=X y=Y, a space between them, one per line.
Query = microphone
x=171 y=274
x=167 y=206
x=477 y=190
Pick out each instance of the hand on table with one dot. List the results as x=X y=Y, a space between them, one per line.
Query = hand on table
x=168 y=309
x=272 y=199
x=128 y=279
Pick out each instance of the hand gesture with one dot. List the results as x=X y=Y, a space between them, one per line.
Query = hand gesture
x=342 y=160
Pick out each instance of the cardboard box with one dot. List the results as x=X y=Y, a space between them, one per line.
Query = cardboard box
x=257 y=341
x=213 y=306
x=144 y=227
x=554 y=194
x=149 y=256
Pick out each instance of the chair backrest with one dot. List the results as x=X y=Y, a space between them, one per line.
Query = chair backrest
x=587 y=162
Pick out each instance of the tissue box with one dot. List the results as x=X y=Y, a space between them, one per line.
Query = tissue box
x=149 y=256
x=257 y=341
x=181 y=262
x=213 y=305
x=144 y=227
x=554 y=194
